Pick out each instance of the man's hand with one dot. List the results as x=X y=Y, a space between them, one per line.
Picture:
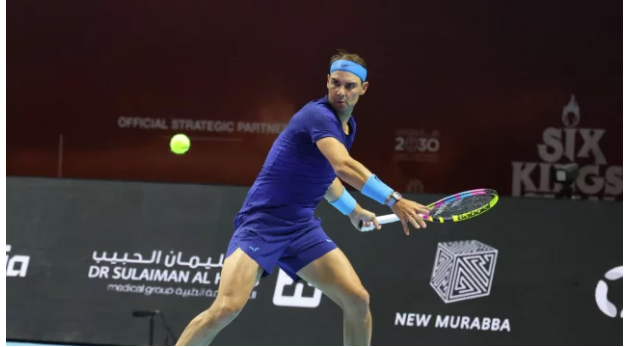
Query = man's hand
x=408 y=212
x=359 y=214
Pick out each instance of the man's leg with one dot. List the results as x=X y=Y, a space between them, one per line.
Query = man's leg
x=334 y=275
x=238 y=277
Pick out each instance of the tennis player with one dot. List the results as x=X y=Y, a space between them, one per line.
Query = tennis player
x=276 y=225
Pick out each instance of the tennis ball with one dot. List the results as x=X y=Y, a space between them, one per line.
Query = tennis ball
x=180 y=143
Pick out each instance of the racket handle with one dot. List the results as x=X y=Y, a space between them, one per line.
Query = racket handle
x=389 y=218
x=386 y=219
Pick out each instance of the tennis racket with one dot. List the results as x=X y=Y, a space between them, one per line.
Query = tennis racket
x=454 y=208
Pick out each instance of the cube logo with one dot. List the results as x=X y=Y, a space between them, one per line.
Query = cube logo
x=463 y=270
x=282 y=296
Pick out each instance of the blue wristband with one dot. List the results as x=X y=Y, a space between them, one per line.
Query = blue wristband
x=376 y=189
x=346 y=203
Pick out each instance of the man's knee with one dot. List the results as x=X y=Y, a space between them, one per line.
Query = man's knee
x=222 y=312
x=357 y=305
x=230 y=308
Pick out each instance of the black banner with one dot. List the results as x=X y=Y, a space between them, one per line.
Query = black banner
x=83 y=255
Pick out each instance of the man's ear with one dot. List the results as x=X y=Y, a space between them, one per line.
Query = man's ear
x=365 y=86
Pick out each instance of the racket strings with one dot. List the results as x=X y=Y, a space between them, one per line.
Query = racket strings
x=466 y=204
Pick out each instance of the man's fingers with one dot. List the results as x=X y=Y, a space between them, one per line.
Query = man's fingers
x=376 y=223
x=420 y=209
x=403 y=224
x=414 y=222
x=420 y=221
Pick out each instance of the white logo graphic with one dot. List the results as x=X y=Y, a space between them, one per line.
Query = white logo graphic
x=463 y=270
x=601 y=292
x=295 y=300
x=12 y=268
x=573 y=145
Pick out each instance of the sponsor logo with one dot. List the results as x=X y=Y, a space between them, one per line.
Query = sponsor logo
x=569 y=144
x=463 y=270
x=16 y=265
x=200 y=125
x=171 y=274
x=284 y=286
x=474 y=213
x=452 y=322
x=417 y=145
x=601 y=292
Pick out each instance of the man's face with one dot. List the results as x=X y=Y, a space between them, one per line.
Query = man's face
x=344 y=89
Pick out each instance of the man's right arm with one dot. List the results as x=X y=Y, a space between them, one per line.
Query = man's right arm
x=357 y=175
x=348 y=169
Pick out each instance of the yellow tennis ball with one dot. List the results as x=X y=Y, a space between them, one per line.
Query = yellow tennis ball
x=180 y=143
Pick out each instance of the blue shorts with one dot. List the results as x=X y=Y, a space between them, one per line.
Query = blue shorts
x=291 y=250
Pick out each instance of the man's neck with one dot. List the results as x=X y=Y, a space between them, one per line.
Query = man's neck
x=344 y=117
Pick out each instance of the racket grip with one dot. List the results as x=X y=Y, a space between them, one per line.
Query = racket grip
x=389 y=218
x=386 y=219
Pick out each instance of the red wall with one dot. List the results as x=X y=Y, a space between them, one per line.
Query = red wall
x=484 y=79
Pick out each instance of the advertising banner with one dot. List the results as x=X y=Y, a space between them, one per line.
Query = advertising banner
x=83 y=256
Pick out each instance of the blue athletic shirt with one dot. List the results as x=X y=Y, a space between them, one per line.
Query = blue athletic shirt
x=295 y=175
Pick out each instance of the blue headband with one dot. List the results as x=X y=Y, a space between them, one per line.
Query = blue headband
x=350 y=66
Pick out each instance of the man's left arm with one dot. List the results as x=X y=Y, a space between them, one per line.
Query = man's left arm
x=335 y=190
x=357 y=214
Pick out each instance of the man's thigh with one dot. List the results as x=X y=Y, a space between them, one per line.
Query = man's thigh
x=334 y=275
x=303 y=249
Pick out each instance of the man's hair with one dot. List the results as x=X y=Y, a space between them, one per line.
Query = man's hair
x=344 y=55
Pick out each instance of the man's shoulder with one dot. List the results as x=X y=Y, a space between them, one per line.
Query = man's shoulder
x=314 y=110
x=317 y=105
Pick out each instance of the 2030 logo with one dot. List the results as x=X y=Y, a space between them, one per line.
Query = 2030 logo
x=417 y=141
x=417 y=145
